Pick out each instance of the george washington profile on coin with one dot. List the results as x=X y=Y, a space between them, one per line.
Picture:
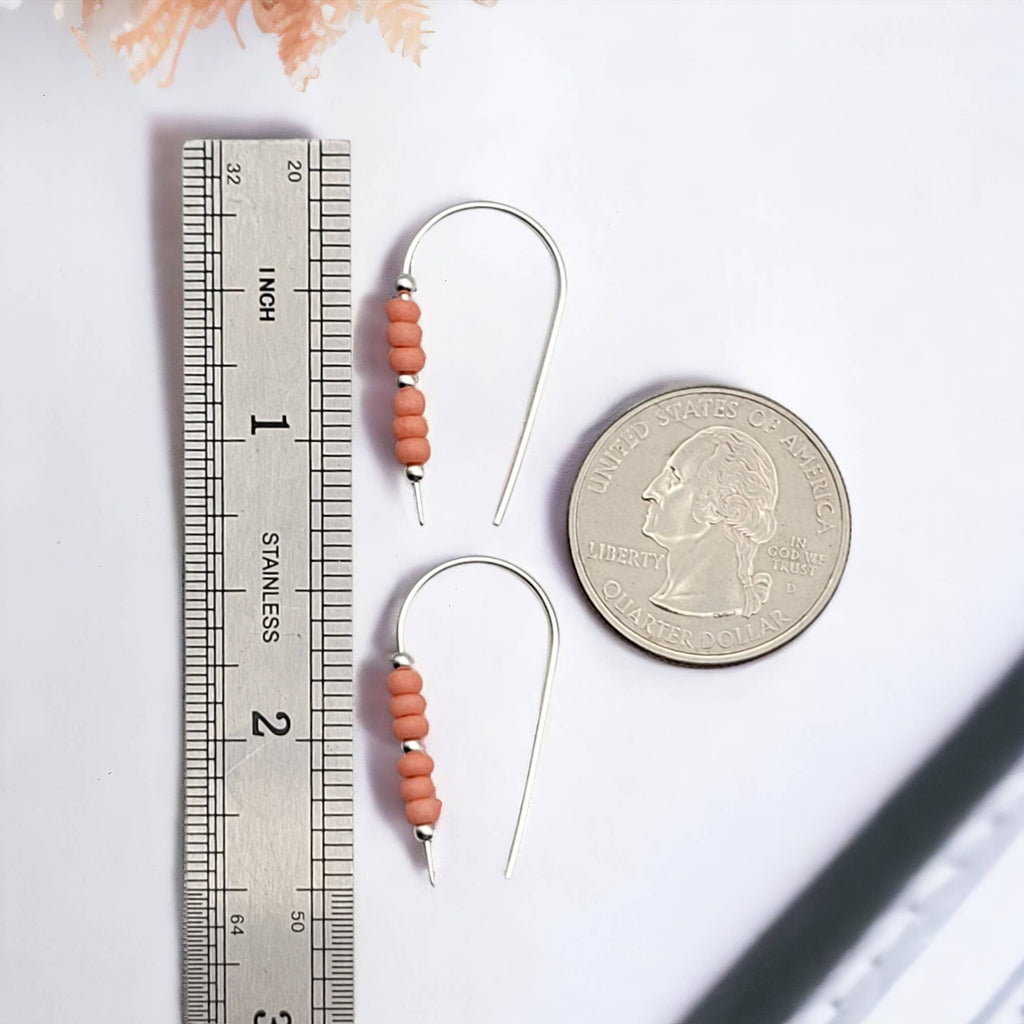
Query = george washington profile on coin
x=711 y=507
x=709 y=525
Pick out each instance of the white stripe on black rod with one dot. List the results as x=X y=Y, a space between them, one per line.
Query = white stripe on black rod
x=268 y=583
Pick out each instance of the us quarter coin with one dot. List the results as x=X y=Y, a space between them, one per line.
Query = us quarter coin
x=709 y=526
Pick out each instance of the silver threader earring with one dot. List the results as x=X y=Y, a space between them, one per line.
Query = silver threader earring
x=406 y=358
x=422 y=808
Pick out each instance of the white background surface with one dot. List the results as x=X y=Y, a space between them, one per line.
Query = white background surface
x=820 y=202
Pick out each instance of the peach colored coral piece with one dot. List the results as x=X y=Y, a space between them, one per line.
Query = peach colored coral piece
x=401 y=23
x=305 y=29
x=423 y=812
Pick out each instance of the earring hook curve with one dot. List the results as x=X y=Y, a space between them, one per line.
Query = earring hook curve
x=549 y=672
x=407 y=282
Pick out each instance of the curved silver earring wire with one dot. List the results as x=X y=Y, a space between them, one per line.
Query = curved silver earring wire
x=545 y=695
x=406 y=282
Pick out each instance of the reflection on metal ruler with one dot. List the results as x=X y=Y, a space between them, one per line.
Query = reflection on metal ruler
x=268 y=583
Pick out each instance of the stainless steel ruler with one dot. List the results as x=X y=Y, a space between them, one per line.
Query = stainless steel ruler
x=268 y=907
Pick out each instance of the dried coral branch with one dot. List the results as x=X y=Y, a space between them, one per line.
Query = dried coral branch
x=145 y=45
x=305 y=29
x=232 y=8
x=89 y=9
x=401 y=21
x=162 y=27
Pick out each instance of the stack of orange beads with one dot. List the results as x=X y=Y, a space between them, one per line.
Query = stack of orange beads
x=407 y=358
x=415 y=765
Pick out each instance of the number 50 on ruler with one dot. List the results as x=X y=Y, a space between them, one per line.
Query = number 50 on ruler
x=268 y=582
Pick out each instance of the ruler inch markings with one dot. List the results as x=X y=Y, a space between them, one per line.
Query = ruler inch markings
x=268 y=909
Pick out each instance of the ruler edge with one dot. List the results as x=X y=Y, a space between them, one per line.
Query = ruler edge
x=211 y=148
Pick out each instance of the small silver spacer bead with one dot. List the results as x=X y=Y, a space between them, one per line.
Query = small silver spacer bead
x=408 y=746
x=408 y=380
x=401 y=660
x=414 y=473
x=423 y=832
x=405 y=283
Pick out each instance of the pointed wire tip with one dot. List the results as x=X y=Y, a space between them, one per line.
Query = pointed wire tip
x=431 y=873
x=418 y=498
x=499 y=512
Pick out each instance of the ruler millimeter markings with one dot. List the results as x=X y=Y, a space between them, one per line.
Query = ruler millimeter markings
x=268 y=905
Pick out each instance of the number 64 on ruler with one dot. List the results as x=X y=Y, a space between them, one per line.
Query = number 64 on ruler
x=268 y=582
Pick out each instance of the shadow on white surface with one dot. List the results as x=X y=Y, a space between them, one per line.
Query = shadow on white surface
x=779 y=970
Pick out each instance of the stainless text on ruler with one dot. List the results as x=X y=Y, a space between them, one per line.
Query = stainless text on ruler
x=268 y=912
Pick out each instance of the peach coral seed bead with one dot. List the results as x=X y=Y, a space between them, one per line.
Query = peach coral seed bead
x=417 y=788
x=423 y=812
x=409 y=402
x=407 y=360
x=412 y=451
x=404 y=680
x=410 y=727
x=408 y=704
x=409 y=426
x=416 y=762
x=401 y=310
x=403 y=334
